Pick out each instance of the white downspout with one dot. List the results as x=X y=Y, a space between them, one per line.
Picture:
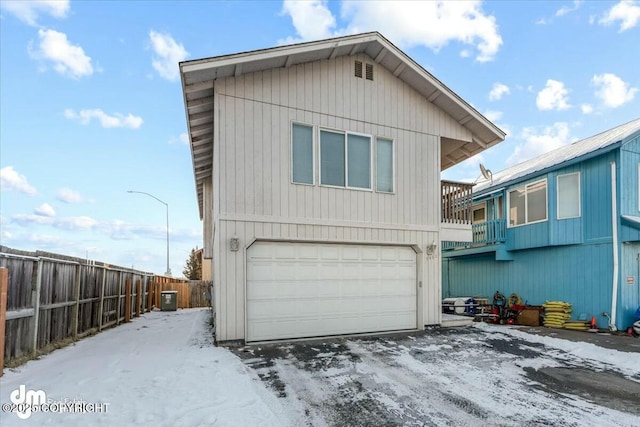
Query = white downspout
x=614 y=225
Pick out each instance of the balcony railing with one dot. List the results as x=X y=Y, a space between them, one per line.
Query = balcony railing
x=456 y=202
x=485 y=233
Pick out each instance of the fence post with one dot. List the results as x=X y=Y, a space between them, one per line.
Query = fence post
x=101 y=306
x=4 y=286
x=119 y=298
x=35 y=302
x=149 y=294
x=76 y=308
x=127 y=301
x=156 y=292
x=138 y=297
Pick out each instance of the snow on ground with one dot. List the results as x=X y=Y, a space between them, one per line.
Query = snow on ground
x=160 y=370
x=626 y=363
x=467 y=377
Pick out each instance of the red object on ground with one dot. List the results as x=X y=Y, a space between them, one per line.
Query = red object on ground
x=594 y=322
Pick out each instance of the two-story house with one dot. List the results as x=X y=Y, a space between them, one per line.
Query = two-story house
x=562 y=226
x=317 y=169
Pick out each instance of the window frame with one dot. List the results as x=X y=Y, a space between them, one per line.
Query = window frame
x=393 y=165
x=558 y=196
x=313 y=153
x=346 y=159
x=526 y=195
x=478 y=206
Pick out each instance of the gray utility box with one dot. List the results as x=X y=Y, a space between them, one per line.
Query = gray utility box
x=168 y=300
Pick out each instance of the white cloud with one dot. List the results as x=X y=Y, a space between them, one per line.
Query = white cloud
x=627 y=12
x=167 y=54
x=612 y=90
x=554 y=96
x=29 y=11
x=433 y=24
x=586 y=108
x=45 y=209
x=183 y=138
x=68 y=195
x=70 y=223
x=564 y=10
x=79 y=222
x=10 y=180
x=68 y=59
x=26 y=220
x=540 y=141
x=493 y=115
x=117 y=120
x=312 y=19
x=498 y=91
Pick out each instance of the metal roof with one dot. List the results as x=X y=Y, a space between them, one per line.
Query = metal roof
x=198 y=76
x=562 y=155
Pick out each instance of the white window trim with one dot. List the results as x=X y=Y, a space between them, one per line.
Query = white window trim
x=638 y=187
x=346 y=159
x=313 y=153
x=525 y=204
x=558 y=196
x=480 y=205
x=393 y=164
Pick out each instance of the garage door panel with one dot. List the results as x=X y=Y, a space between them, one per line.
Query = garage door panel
x=299 y=290
x=389 y=254
x=329 y=252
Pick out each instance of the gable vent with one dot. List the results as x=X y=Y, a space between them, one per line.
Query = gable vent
x=369 y=72
x=358 y=69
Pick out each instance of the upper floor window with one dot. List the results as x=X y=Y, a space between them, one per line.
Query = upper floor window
x=528 y=204
x=479 y=213
x=302 y=154
x=345 y=159
x=384 y=165
x=569 y=195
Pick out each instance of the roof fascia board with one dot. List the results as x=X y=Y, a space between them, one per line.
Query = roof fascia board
x=270 y=53
x=191 y=147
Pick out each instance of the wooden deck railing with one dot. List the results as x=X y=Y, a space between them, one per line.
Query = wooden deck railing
x=456 y=202
x=485 y=233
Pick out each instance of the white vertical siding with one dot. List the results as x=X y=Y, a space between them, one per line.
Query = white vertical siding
x=255 y=199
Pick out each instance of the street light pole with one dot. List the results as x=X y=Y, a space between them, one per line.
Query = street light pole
x=168 y=272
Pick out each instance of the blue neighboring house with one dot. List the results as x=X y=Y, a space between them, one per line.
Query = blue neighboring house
x=562 y=226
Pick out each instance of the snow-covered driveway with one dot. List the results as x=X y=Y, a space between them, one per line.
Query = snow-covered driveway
x=162 y=370
x=159 y=370
x=483 y=375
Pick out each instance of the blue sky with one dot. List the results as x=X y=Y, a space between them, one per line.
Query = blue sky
x=91 y=104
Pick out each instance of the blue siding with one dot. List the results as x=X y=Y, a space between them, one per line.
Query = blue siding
x=579 y=274
x=629 y=160
x=528 y=236
x=596 y=211
x=629 y=290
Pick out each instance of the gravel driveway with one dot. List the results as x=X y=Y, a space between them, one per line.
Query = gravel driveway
x=460 y=376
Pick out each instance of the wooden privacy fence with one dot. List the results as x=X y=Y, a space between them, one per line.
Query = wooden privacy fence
x=191 y=294
x=53 y=299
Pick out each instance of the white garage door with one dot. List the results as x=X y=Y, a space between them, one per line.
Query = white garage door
x=297 y=290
